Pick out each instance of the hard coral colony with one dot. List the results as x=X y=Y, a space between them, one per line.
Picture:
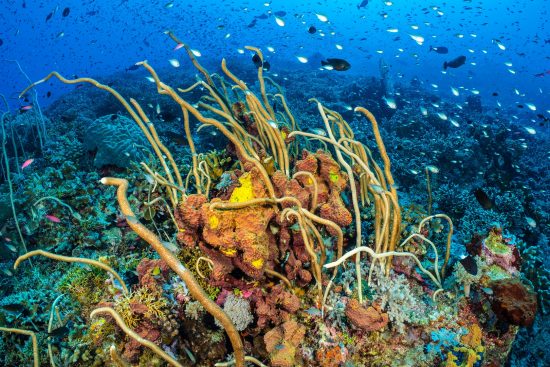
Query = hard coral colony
x=263 y=250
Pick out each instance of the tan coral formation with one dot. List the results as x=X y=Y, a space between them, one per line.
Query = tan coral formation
x=282 y=342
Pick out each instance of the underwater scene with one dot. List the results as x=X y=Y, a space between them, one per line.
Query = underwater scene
x=346 y=183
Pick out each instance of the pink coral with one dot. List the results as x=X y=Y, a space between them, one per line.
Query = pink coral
x=496 y=251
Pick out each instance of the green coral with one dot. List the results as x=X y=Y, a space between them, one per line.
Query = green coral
x=156 y=306
x=218 y=162
x=189 y=257
x=495 y=244
x=84 y=285
x=99 y=332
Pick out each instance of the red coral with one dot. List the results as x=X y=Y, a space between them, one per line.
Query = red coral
x=366 y=319
x=152 y=273
x=513 y=302
x=189 y=219
x=132 y=349
x=273 y=307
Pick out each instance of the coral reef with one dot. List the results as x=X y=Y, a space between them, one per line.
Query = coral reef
x=255 y=249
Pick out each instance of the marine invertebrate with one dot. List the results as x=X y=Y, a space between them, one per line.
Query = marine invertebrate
x=367 y=319
x=134 y=335
x=194 y=288
x=115 y=139
x=268 y=230
x=467 y=272
x=514 y=302
x=72 y=259
x=497 y=251
x=434 y=276
x=443 y=340
x=238 y=310
x=33 y=338
x=143 y=303
x=282 y=342
x=8 y=178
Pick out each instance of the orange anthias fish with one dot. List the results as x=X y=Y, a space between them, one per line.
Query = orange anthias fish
x=27 y=163
x=53 y=218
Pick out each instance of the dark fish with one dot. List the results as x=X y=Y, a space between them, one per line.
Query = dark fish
x=66 y=12
x=1 y=42
x=483 y=199
x=14 y=307
x=280 y=13
x=176 y=138
x=132 y=68
x=455 y=63
x=520 y=106
x=440 y=49
x=469 y=264
x=257 y=60
x=49 y=94
x=114 y=117
x=252 y=24
x=62 y=331
x=337 y=64
x=495 y=94
x=363 y=4
x=312 y=30
x=49 y=16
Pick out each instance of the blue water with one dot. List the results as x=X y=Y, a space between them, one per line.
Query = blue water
x=101 y=37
